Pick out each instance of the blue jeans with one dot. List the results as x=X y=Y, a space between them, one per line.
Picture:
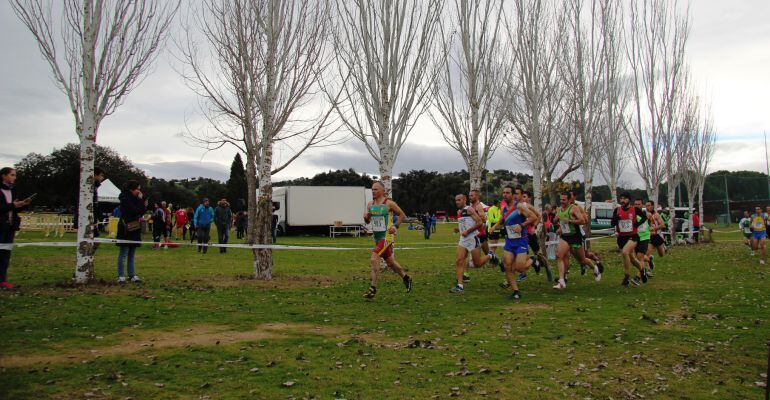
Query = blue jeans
x=130 y=252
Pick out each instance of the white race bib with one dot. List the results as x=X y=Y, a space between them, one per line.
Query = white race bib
x=565 y=228
x=511 y=232
x=626 y=225
x=378 y=224
x=642 y=228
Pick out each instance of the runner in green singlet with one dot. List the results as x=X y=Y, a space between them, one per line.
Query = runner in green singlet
x=569 y=218
x=643 y=230
x=380 y=213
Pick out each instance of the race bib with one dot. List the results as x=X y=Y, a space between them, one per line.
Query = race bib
x=378 y=224
x=643 y=228
x=511 y=232
x=759 y=224
x=565 y=228
x=626 y=225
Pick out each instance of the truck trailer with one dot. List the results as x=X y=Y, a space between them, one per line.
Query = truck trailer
x=311 y=209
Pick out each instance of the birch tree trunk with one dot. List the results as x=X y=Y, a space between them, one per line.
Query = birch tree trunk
x=263 y=258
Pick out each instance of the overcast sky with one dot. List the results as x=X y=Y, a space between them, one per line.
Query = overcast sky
x=729 y=51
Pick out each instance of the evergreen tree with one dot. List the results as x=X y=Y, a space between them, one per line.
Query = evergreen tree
x=237 y=190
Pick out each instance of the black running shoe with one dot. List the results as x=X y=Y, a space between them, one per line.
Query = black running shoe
x=644 y=275
x=636 y=281
x=369 y=293
x=536 y=264
x=582 y=269
x=466 y=277
x=515 y=295
x=601 y=267
x=652 y=263
x=625 y=281
x=505 y=285
x=408 y=283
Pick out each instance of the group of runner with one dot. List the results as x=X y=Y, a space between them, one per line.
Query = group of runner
x=639 y=229
x=756 y=229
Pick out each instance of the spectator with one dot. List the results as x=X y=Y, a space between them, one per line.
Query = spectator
x=190 y=226
x=204 y=216
x=158 y=224
x=167 y=222
x=433 y=222
x=9 y=220
x=132 y=207
x=116 y=212
x=180 y=223
x=223 y=218
x=240 y=224
x=426 y=225
x=274 y=226
x=696 y=226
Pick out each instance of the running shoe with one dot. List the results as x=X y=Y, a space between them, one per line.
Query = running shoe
x=466 y=277
x=601 y=267
x=649 y=273
x=121 y=280
x=644 y=275
x=505 y=285
x=536 y=264
x=625 y=282
x=6 y=285
x=597 y=273
x=516 y=295
x=582 y=269
x=652 y=263
x=135 y=279
x=457 y=289
x=369 y=293
x=408 y=283
x=548 y=273
x=636 y=281
x=494 y=258
x=560 y=284
x=522 y=276
x=761 y=262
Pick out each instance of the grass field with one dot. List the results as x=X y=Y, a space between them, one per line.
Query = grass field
x=197 y=327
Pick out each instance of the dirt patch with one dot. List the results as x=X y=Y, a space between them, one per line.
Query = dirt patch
x=200 y=335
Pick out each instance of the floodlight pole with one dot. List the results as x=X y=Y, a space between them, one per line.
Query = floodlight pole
x=727 y=200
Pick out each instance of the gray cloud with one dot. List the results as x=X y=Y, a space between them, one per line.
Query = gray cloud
x=186 y=169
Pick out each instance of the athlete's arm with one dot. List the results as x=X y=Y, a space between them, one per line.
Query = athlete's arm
x=576 y=214
x=532 y=218
x=614 y=220
x=367 y=217
x=396 y=209
x=642 y=217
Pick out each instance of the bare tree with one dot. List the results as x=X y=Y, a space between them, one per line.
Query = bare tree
x=98 y=52
x=582 y=71
x=255 y=63
x=466 y=106
x=533 y=91
x=699 y=150
x=386 y=52
x=614 y=146
x=656 y=48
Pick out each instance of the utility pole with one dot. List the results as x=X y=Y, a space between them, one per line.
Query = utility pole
x=727 y=201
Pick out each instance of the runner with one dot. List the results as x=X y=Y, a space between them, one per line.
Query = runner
x=474 y=198
x=538 y=259
x=759 y=232
x=569 y=217
x=625 y=223
x=656 y=233
x=745 y=227
x=469 y=222
x=380 y=213
x=589 y=254
x=643 y=231
x=517 y=218
x=493 y=216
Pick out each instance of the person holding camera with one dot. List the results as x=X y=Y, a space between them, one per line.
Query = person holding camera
x=132 y=207
x=9 y=220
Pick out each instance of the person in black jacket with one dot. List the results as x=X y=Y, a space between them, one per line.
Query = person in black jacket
x=9 y=220
x=132 y=207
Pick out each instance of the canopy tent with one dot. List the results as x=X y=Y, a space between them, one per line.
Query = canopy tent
x=107 y=192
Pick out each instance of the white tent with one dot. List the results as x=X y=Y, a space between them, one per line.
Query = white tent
x=108 y=192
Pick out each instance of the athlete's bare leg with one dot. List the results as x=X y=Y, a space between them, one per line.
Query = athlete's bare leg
x=460 y=263
x=395 y=266
x=510 y=276
x=562 y=260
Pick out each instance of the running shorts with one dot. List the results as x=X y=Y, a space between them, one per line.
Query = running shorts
x=574 y=241
x=641 y=246
x=622 y=240
x=469 y=243
x=494 y=235
x=380 y=245
x=656 y=240
x=760 y=235
x=516 y=246
x=482 y=237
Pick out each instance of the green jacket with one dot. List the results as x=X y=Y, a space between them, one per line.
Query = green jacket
x=223 y=216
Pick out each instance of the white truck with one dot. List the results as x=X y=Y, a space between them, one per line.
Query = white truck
x=308 y=208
